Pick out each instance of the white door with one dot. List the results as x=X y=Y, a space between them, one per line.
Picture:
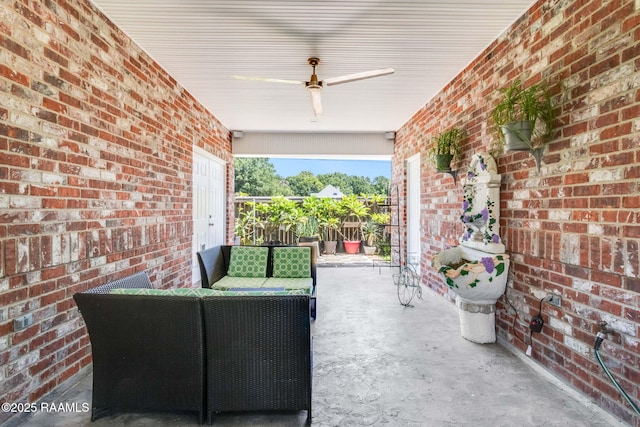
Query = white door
x=209 y=210
x=413 y=211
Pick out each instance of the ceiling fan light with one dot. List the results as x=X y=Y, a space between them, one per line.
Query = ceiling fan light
x=316 y=101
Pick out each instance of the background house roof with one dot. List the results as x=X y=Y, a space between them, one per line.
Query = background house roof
x=201 y=43
x=329 y=191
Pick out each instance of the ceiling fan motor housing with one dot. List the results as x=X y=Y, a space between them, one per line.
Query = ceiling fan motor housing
x=313 y=82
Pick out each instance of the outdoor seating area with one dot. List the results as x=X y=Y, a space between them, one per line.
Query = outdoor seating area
x=379 y=363
x=184 y=182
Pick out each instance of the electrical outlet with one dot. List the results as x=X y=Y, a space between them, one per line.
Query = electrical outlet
x=22 y=322
x=555 y=300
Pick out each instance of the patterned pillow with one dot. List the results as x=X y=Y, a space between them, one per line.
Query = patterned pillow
x=248 y=261
x=292 y=262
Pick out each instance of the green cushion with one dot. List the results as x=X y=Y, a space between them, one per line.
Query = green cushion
x=248 y=261
x=254 y=292
x=186 y=292
x=192 y=292
x=138 y=291
x=302 y=284
x=292 y=262
x=203 y=292
x=228 y=282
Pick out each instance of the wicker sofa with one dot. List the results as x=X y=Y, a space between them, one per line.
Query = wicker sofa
x=276 y=268
x=199 y=350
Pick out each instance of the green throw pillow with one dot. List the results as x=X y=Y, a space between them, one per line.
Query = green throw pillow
x=248 y=261
x=292 y=262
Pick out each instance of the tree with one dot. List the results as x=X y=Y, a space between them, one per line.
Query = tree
x=256 y=176
x=350 y=184
x=304 y=184
x=381 y=185
x=361 y=185
x=337 y=179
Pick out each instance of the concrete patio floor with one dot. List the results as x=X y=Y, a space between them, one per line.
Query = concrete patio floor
x=377 y=363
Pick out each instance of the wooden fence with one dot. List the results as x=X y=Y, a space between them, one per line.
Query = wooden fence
x=350 y=228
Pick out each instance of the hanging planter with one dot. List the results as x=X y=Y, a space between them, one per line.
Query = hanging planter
x=443 y=162
x=517 y=135
x=446 y=148
x=523 y=119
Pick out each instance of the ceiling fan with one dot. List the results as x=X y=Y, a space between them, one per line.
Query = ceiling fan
x=314 y=86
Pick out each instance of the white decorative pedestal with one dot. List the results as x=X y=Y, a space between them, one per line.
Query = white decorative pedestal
x=477 y=321
x=477 y=270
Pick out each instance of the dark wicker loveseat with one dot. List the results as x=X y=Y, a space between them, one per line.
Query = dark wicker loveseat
x=214 y=265
x=208 y=353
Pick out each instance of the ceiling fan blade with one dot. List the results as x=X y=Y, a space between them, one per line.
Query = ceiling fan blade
x=358 y=76
x=267 y=79
x=316 y=100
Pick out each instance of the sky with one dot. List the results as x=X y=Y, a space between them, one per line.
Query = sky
x=369 y=168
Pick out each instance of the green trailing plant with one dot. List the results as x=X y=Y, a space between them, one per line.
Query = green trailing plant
x=518 y=104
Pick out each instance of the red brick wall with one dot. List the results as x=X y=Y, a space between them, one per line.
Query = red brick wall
x=573 y=227
x=95 y=179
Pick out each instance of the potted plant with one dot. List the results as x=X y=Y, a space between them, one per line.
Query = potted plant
x=307 y=226
x=446 y=148
x=351 y=206
x=329 y=224
x=370 y=232
x=523 y=118
x=306 y=229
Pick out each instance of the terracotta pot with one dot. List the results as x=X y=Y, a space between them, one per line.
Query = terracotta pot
x=352 y=246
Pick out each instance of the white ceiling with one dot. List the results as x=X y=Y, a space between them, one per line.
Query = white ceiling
x=201 y=43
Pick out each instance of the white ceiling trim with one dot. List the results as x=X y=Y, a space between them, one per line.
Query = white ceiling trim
x=361 y=146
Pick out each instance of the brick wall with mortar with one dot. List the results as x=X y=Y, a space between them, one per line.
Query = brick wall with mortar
x=95 y=179
x=573 y=228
